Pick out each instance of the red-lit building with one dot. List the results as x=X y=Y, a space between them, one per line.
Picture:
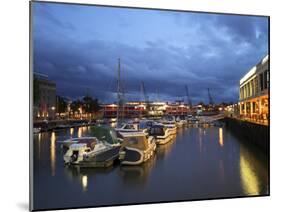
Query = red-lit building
x=129 y=110
x=140 y=109
x=176 y=109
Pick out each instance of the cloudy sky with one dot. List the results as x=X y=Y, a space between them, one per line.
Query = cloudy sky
x=78 y=47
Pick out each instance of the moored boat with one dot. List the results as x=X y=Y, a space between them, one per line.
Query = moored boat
x=136 y=148
x=127 y=127
x=98 y=151
x=66 y=143
x=161 y=134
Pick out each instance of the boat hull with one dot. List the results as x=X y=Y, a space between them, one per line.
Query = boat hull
x=103 y=159
x=163 y=140
x=133 y=156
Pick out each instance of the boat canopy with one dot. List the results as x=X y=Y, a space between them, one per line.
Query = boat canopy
x=139 y=142
x=104 y=133
x=144 y=124
x=157 y=130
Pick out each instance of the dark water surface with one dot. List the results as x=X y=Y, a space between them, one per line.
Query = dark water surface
x=200 y=163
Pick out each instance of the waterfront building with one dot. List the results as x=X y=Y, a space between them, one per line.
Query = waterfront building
x=177 y=109
x=142 y=109
x=44 y=97
x=157 y=108
x=128 y=110
x=253 y=95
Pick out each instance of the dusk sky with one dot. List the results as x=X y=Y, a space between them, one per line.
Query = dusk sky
x=78 y=47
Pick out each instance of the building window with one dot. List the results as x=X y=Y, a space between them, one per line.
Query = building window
x=261 y=82
x=251 y=87
x=256 y=85
x=265 y=77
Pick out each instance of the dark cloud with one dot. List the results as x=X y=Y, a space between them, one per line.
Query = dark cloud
x=217 y=51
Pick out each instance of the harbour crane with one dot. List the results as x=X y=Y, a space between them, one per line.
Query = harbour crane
x=188 y=97
x=211 y=101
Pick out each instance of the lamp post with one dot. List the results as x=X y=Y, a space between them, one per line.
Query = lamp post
x=53 y=111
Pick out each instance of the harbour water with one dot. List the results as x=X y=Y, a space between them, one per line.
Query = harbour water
x=200 y=163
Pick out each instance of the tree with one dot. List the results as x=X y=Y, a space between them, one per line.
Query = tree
x=75 y=105
x=90 y=105
x=61 y=105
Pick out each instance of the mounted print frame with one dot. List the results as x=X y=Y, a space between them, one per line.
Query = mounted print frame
x=138 y=105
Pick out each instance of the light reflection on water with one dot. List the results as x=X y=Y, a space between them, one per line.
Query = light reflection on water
x=39 y=144
x=79 y=132
x=53 y=153
x=85 y=182
x=221 y=137
x=71 y=130
x=200 y=138
x=249 y=169
x=198 y=163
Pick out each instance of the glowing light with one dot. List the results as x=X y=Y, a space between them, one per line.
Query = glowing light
x=113 y=119
x=79 y=134
x=248 y=177
x=53 y=153
x=85 y=182
x=71 y=131
x=221 y=136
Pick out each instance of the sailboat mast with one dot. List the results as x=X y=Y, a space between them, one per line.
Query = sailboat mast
x=118 y=90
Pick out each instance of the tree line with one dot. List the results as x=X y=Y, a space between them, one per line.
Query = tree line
x=87 y=104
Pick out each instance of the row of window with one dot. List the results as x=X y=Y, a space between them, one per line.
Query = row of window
x=264 y=80
x=256 y=85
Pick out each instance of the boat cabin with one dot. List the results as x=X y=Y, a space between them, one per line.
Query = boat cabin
x=157 y=130
x=138 y=141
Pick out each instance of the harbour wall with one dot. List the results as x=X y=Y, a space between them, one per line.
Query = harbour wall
x=252 y=133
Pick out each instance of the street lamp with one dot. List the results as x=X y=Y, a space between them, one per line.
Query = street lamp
x=53 y=110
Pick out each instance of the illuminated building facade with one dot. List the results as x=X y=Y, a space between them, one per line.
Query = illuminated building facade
x=45 y=100
x=130 y=109
x=253 y=95
x=141 y=109
x=177 y=109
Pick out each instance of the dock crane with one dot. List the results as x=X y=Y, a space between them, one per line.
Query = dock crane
x=120 y=95
x=188 y=97
x=211 y=101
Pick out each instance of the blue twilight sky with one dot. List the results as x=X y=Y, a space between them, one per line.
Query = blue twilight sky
x=78 y=47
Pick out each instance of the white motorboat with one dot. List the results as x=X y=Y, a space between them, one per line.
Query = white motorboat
x=134 y=127
x=136 y=148
x=66 y=143
x=92 y=149
x=161 y=133
x=127 y=127
x=170 y=122
x=180 y=122
x=79 y=152
x=171 y=126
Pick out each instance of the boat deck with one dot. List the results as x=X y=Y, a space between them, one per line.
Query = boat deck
x=102 y=160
